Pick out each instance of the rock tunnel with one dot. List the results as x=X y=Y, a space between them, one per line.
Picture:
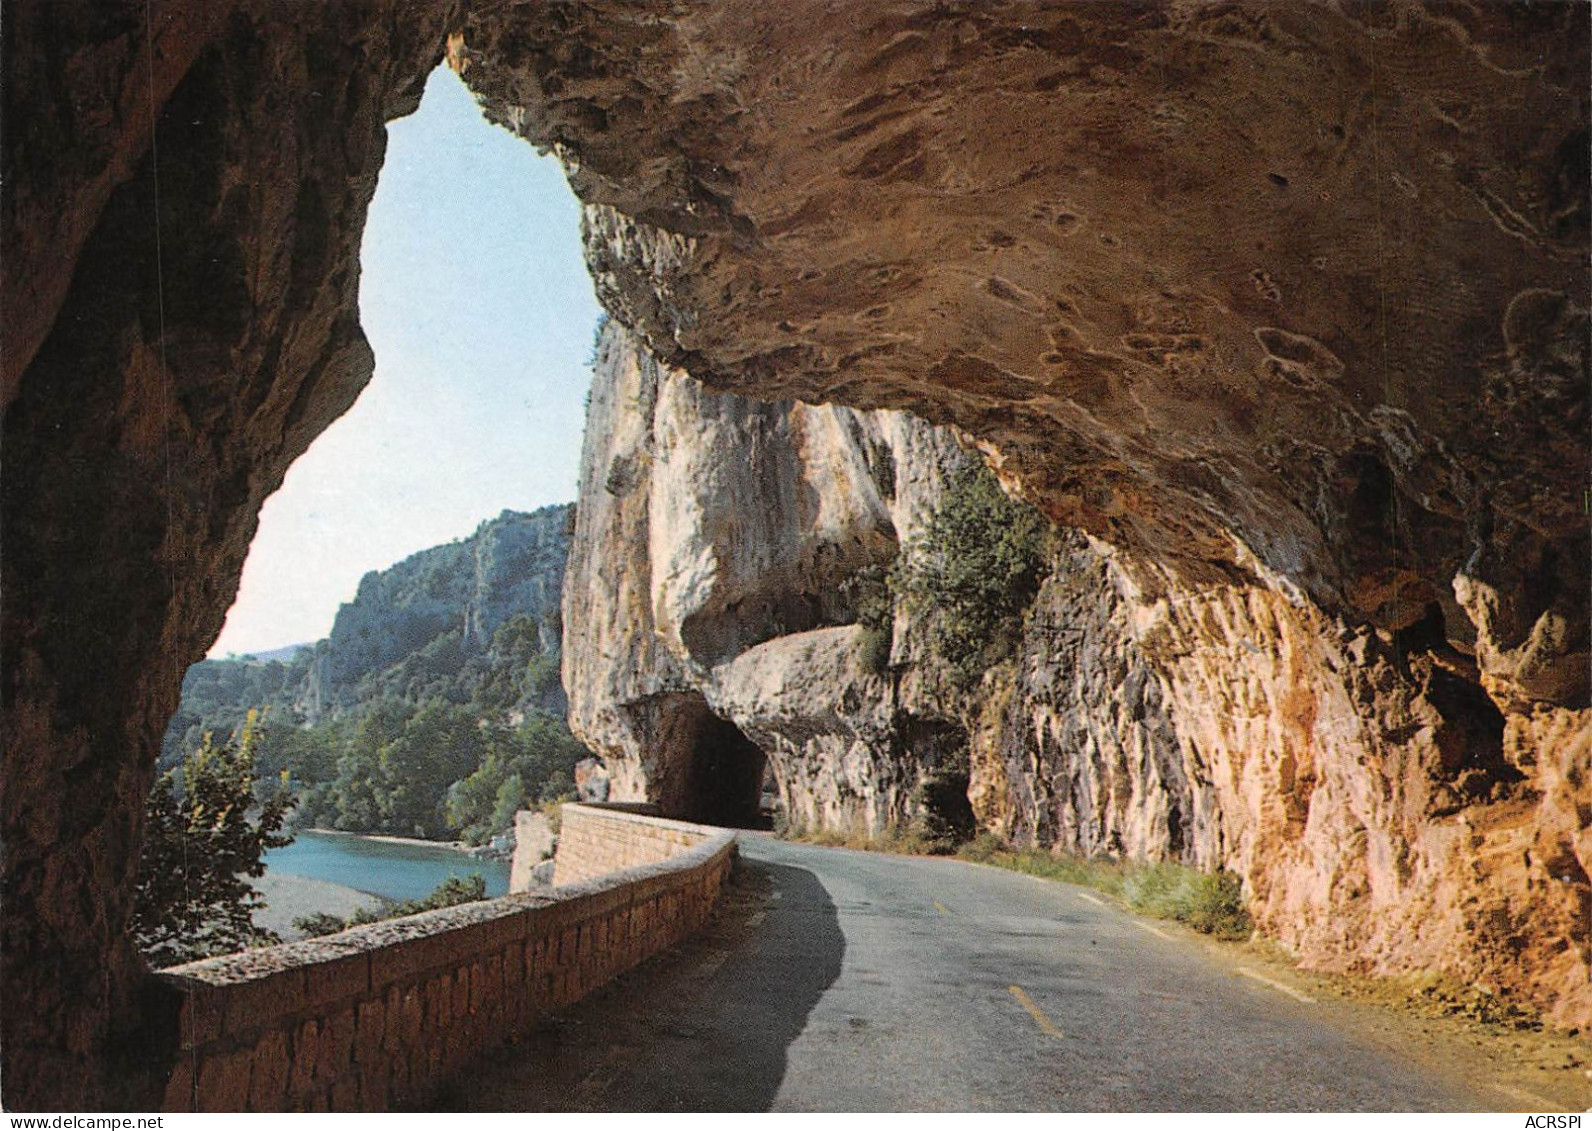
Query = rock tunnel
x=726 y=776
x=704 y=768
x=1285 y=304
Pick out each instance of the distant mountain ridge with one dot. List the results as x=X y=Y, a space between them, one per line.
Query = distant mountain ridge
x=476 y=620
x=439 y=608
x=281 y=655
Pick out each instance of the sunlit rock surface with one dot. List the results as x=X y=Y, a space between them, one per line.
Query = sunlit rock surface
x=1384 y=814
x=1284 y=303
x=707 y=594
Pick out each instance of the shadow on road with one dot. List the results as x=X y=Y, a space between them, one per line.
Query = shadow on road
x=705 y=1027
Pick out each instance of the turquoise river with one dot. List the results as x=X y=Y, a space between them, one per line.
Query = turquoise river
x=392 y=870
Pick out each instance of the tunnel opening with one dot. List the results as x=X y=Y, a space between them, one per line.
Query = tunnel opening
x=726 y=774
x=940 y=749
x=703 y=767
x=947 y=812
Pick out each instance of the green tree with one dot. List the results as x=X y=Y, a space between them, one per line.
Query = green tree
x=976 y=568
x=531 y=762
x=205 y=838
x=438 y=746
x=510 y=798
x=355 y=798
x=872 y=596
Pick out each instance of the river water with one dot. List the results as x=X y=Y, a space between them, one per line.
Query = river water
x=392 y=871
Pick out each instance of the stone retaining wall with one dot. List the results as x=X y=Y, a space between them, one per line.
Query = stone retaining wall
x=378 y=1016
x=598 y=839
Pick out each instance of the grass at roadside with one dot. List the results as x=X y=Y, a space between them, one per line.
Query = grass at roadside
x=1209 y=902
x=908 y=841
x=1212 y=903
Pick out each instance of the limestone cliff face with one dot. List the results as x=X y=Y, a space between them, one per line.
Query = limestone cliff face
x=425 y=628
x=1333 y=327
x=1383 y=813
x=185 y=188
x=707 y=619
x=1285 y=303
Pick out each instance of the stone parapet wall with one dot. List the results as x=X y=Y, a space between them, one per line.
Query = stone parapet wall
x=598 y=839
x=377 y=1017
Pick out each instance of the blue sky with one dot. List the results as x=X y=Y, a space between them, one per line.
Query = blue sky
x=481 y=313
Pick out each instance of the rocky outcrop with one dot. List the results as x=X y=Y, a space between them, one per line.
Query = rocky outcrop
x=1310 y=360
x=1383 y=814
x=534 y=843
x=450 y=599
x=709 y=624
x=1210 y=330
x=1284 y=303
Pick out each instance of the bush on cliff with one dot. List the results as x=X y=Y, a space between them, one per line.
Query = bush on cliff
x=975 y=571
x=871 y=593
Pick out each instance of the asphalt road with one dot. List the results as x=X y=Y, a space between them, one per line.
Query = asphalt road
x=851 y=981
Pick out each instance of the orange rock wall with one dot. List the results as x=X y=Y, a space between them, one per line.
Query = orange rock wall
x=1384 y=816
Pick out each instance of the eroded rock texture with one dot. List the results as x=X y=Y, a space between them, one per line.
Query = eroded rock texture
x=1297 y=285
x=1286 y=304
x=710 y=630
x=181 y=319
x=1384 y=814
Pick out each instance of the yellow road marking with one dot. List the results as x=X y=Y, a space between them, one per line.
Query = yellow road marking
x=1276 y=985
x=1096 y=900
x=1156 y=931
x=1045 y=1023
x=940 y=907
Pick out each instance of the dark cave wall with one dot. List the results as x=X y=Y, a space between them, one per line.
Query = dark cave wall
x=194 y=303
